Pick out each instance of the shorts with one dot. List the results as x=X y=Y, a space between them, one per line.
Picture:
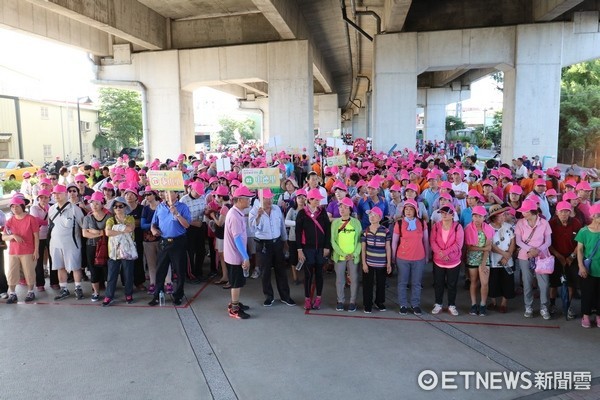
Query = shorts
x=219 y=244
x=571 y=271
x=473 y=266
x=69 y=259
x=293 y=252
x=501 y=284
x=236 y=276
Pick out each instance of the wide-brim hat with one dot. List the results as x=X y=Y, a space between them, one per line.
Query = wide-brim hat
x=121 y=200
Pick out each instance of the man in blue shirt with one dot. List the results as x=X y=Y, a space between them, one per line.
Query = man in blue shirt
x=170 y=221
x=370 y=201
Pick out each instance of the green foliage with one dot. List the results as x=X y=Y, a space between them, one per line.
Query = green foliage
x=493 y=132
x=453 y=124
x=498 y=77
x=120 y=118
x=579 y=124
x=8 y=186
x=233 y=130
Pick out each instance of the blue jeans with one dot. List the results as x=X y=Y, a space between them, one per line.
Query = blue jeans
x=410 y=271
x=114 y=267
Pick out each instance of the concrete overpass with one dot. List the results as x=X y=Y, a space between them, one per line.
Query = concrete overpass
x=361 y=64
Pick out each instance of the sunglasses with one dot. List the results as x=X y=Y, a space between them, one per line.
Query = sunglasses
x=119 y=206
x=449 y=212
x=53 y=179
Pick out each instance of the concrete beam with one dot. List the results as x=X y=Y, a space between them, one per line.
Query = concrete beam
x=548 y=10
x=128 y=19
x=394 y=14
x=442 y=78
x=26 y=17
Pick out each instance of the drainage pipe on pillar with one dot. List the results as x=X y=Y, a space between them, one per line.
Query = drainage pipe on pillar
x=374 y=15
x=352 y=24
x=139 y=85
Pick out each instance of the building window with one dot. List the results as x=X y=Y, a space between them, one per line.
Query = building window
x=44 y=112
x=84 y=126
x=47 y=150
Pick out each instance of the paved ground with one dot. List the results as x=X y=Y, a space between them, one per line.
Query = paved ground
x=78 y=349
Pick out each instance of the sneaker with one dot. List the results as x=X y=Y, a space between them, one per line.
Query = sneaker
x=380 y=306
x=571 y=314
x=528 y=313
x=151 y=289
x=79 y=293
x=238 y=313
x=4 y=296
x=452 y=310
x=128 y=299
x=268 y=302
x=95 y=297
x=403 y=310
x=255 y=273
x=545 y=313
x=417 y=311
x=240 y=305
x=339 y=307
x=585 y=322
x=106 y=302
x=436 y=309
x=40 y=289
x=482 y=311
x=474 y=310
x=63 y=294
x=30 y=297
x=317 y=303
x=169 y=288
x=12 y=299
x=552 y=309
x=352 y=307
x=307 y=303
x=288 y=302
x=367 y=311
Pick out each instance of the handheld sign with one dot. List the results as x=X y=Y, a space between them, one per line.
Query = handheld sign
x=258 y=178
x=336 y=160
x=223 y=164
x=166 y=180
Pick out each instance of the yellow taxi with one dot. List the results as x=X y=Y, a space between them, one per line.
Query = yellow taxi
x=12 y=168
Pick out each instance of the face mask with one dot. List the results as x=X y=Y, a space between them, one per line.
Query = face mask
x=553 y=200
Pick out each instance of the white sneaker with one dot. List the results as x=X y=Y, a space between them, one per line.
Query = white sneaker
x=571 y=314
x=4 y=296
x=528 y=313
x=545 y=314
x=452 y=310
x=255 y=273
x=436 y=308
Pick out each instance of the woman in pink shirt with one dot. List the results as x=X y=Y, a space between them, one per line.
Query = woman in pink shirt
x=447 y=238
x=410 y=243
x=533 y=236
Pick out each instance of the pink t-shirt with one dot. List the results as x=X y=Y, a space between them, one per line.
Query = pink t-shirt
x=25 y=228
x=235 y=225
x=411 y=243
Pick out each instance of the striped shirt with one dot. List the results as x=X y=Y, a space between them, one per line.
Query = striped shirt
x=375 y=251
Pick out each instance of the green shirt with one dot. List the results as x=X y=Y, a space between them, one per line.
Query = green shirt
x=589 y=239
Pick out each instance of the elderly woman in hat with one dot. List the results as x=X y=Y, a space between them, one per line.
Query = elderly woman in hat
x=120 y=250
x=376 y=253
x=22 y=232
x=478 y=240
x=501 y=281
x=290 y=223
x=93 y=229
x=340 y=193
x=588 y=261
x=40 y=211
x=286 y=199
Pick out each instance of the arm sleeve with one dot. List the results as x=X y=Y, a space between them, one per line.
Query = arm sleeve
x=239 y=244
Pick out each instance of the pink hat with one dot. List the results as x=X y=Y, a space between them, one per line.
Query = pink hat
x=448 y=207
x=569 y=196
x=431 y=176
x=44 y=192
x=197 y=187
x=551 y=172
x=479 y=210
x=97 y=196
x=142 y=172
x=235 y=183
x=446 y=196
x=213 y=180
x=267 y=194
x=95 y=164
x=45 y=181
x=563 y=205
x=583 y=186
x=108 y=185
x=473 y=193
x=487 y=182
x=221 y=191
x=300 y=192
x=26 y=175
x=59 y=189
x=242 y=191
x=413 y=187
x=539 y=172
x=396 y=188
x=550 y=192
x=571 y=183
x=347 y=202
x=446 y=185
x=360 y=183
x=376 y=210
x=340 y=185
x=540 y=182
x=475 y=172
x=528 y=205
x=80 y=178
x=595 y=209
x=17 y=200
x=373 y=184
x=314 y=194
x=516 y=189
x=412 y=203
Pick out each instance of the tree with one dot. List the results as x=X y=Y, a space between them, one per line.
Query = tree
x=453 y=124
x=233 y=131
x=120 y=119
x=498 y=77
x=493 y=132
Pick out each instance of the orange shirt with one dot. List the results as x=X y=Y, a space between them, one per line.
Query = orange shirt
x=476 y=186
x=527 y=185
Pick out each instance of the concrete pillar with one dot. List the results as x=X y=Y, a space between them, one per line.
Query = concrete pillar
x=532 y=94
x=329 y=117
x=435 y=114
x=291 y=93
x=359 y=124
x=394 y=91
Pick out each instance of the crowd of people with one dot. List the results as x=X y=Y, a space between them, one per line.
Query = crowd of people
x=506 y=229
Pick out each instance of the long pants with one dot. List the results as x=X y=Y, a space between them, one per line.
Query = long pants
x=114 y=267
x=213 y=253
x=196 y=249
x=39 y=266
x=543 y=284
x=410 y=272
x=15 y=263
x=171 y=251
x=313 y=266
x=340 y=280
x=3 y=281
x=378 y=275
x=590 y=294
x=98 y=273
x=270 y=255
x=139 y=275
x=151 y=255
x=445 y=277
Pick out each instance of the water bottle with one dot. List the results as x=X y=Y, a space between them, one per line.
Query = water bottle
x=508 y=269
x=246 y=272
x=161 y=298
x=299 y=265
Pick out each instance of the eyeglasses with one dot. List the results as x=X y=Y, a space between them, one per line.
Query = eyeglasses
x=118 y=206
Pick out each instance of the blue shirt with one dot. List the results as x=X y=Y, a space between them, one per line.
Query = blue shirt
x=167 y=223
x=365 y=205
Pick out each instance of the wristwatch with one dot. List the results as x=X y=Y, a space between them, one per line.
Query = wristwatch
x=573 y=255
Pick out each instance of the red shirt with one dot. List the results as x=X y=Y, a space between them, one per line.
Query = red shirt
x=563 y=237
x=25 y=228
